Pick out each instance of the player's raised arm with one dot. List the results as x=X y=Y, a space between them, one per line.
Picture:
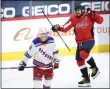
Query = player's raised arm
x=96 y=17
x=66 y=27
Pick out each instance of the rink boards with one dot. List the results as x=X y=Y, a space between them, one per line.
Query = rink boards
x=17 y=35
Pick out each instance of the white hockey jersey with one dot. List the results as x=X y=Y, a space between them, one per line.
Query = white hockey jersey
x=44 y=54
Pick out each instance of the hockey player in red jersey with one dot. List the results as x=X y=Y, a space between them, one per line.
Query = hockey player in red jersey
x=83 y=23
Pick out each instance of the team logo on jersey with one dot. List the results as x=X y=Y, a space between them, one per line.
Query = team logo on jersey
x=82 y=24
x=46 y=55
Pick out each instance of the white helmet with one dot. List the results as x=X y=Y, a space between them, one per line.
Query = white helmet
x=43 y=30
x=43 y=33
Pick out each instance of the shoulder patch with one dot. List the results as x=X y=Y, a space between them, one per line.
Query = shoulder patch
x=50 y=38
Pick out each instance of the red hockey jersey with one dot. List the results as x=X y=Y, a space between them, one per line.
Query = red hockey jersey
x=83 y=26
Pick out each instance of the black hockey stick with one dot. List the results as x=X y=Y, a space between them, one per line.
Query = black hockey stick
x=17 y=67
x=57 y=32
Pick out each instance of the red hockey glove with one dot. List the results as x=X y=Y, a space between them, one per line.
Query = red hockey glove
x=90 y=11
x=56 y=65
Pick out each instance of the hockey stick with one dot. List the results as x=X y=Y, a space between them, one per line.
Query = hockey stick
x=17 y=67
x=57 y=32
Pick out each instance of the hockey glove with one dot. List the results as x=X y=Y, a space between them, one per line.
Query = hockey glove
x=56 y=65
x=55 y=28
x=21 y=66
x=90 y=11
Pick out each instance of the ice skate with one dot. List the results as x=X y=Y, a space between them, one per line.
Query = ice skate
x=85 y=82
x=95 y=72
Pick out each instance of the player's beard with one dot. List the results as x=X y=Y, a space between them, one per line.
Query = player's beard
x=79 y=14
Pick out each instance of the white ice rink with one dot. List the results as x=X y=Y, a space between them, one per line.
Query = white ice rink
x=66 y=76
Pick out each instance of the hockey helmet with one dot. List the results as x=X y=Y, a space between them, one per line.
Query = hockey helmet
x=43 y=30
x=43 y=33
x=82 y=8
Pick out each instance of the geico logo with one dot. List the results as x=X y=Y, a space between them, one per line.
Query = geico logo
x=8 y=12
x=48 y=10
x=97 y=5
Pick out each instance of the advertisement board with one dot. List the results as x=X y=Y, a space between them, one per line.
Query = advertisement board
x=13 y=9
x=17 y=9
x=17 y=34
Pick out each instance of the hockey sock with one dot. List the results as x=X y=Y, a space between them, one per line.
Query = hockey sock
x=37 y=84
x=91 y=62
x=47 y=84
x=84 y=72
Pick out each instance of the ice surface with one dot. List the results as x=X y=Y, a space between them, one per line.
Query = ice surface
x=67 y=76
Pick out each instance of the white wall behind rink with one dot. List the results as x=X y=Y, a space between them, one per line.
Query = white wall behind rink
x=10 y=28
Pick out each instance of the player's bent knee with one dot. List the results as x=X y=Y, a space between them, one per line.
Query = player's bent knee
x=80 y=62
x=84 y=54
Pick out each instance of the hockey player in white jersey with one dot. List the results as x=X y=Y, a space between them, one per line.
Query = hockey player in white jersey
x=45 y=53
